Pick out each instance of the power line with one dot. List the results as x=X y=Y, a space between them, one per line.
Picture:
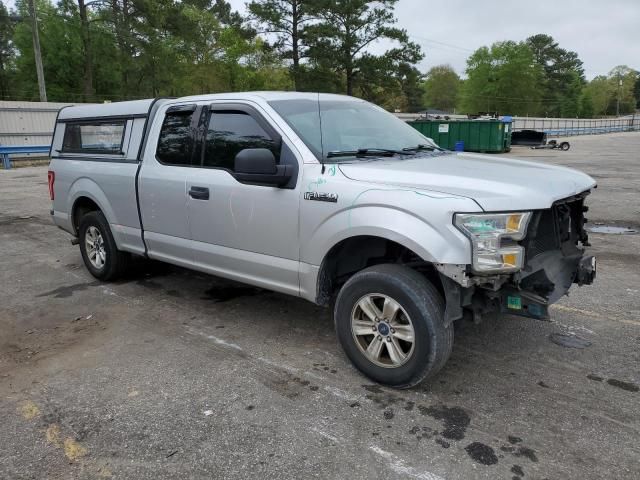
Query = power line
x=444 y=44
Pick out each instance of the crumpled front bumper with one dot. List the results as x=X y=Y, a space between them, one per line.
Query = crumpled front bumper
x=555 y=260
x=529 y=304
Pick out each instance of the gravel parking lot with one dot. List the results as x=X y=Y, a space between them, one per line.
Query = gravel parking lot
x=174 y=374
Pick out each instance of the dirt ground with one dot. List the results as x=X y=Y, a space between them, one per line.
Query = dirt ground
x=174 y=374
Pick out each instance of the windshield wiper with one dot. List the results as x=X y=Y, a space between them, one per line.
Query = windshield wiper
x=421 y=146
x=368 y=152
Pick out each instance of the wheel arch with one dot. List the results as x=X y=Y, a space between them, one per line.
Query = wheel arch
x=355 y=253
x=86 y=195
x=81 y=207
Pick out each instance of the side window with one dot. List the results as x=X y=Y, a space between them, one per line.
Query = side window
x=229 y=132
x=175 y=143
x=94 y=137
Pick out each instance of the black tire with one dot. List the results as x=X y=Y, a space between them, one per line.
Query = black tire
x=565 y=146
x=424 y=306
x=115 y=261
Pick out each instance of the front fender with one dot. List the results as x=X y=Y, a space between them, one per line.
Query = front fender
x=418 y=221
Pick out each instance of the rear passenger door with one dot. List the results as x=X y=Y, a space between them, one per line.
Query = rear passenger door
x=243 y=231
x=162 y=185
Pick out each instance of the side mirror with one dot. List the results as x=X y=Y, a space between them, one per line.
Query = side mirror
x=258 y=166
x=255 y=160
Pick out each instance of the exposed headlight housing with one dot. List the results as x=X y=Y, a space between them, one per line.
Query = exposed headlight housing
x=493 y=238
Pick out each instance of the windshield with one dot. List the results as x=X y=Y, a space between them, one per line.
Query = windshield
x=342 y=128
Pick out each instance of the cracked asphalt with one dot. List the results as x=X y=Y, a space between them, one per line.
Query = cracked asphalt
x=174 y=374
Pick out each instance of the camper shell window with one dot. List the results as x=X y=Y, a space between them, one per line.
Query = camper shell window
x=94 y=137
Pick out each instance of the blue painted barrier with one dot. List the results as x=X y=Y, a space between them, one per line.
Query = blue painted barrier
x=6 y=150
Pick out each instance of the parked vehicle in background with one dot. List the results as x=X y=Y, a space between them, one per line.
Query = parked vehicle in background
x=325 y=197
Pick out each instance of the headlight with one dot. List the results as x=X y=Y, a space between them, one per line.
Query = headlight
x=493 y=237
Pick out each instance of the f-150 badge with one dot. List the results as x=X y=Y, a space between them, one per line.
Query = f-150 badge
x=321 y=197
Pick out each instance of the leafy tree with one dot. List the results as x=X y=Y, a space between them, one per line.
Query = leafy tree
x=410 y=80
x=605 y=90
x=441 y=88
x=61 y=54
x=287 y=20
x=87 y=53
x=121 y=16
x=600 y=93
x=636 y=90
x=563 y=75
x=586 y=104
x=121 y=49
x=386 y=89
x=222 y=10
x=503 y=78
x=570 y=101
x=622 y=81
x=221 y=54
x=318 y=75
x=345 y=29
x=389 y=81
x=7 y=51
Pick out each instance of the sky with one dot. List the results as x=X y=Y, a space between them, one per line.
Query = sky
x=604 y=33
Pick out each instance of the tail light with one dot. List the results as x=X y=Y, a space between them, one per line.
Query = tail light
x=51 y=177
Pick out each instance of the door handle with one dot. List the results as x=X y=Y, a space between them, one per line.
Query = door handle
x=199 y=193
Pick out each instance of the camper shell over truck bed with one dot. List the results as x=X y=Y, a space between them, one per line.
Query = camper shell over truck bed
x=325 y=197
x=112 y=134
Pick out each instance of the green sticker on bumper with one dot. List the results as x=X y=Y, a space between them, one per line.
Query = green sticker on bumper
x=514 y=303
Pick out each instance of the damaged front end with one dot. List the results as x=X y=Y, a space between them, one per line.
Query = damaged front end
x=554 y=259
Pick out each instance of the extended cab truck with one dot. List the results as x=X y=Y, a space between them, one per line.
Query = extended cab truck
x=325 y=197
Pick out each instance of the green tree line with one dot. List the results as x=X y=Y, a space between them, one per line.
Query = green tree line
x=535 y=77
x=96 y=50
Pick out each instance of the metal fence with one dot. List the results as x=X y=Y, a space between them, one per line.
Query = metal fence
x=564 y=127
x=27 y=123
x=558 y=127
x=25 y=129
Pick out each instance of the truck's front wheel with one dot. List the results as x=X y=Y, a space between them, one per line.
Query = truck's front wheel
x=98 y=248
x=389 y=321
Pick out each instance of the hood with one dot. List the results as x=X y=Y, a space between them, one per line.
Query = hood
x=496 y=184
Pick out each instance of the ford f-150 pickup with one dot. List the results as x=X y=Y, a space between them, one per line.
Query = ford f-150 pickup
x=328 y=198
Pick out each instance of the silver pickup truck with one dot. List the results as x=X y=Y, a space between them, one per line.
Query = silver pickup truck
x=328 y=198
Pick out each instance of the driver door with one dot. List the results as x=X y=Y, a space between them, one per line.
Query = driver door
x=241 y=231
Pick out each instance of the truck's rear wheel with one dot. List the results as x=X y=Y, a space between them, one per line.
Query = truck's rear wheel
x=98 y=248
x=390 y=323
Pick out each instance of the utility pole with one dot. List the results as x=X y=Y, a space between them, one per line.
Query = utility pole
x=618 y=96
x=36 y=51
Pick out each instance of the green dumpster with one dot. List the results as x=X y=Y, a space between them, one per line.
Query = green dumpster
x=490 y=136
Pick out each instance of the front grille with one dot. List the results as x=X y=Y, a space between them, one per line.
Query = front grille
x=542 y=235
x=559 y=227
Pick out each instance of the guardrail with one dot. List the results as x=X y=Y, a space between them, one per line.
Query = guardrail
x=7 y=150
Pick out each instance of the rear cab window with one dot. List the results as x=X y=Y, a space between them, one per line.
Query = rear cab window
x=96 y=137
x=176 y=139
